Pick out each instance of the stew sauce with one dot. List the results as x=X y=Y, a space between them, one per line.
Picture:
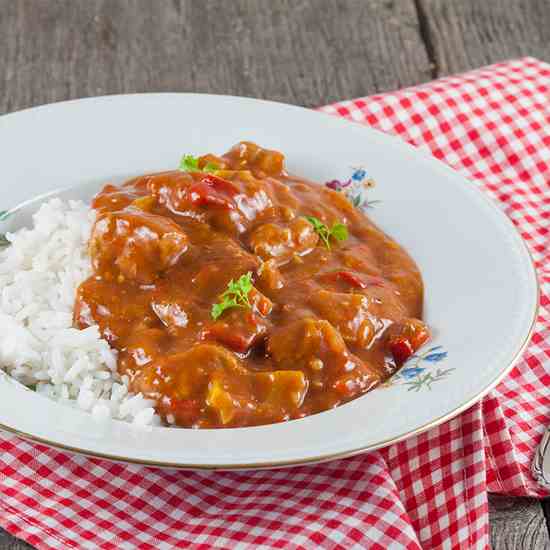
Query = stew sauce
x=325 y=324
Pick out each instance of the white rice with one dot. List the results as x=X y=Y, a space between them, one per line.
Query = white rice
x=39 y=274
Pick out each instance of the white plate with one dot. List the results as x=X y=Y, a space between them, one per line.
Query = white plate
x=481 y=288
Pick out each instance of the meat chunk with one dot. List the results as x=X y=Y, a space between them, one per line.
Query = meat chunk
x=276 y=395
x=112 y=198
x=135 y=245
x=172 y=313
x=220 y=261
x=358 y=258
x=179 y=314
x=206 y=376
x=359 y=317
x=229 y=203
x=280 y=393
x=114 y=307
x=318 y=348
x=349 y=313
x=248 y=155
x=302 y=342
x=281 y=242
x=270 y=277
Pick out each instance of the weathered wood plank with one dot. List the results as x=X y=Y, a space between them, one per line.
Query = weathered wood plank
x=299 y=51
x=7 y=542
x=546 y=509
x=517 y=523
x=470 y=33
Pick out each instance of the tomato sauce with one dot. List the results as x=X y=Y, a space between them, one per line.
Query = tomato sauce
x=323 y=322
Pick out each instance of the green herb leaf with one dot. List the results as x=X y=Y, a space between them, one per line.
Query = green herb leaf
x=320 y=228
x=3 y=215
x=3 y=241
x=189 y=163
x=316 y=222
x=226 y=303
x=236 y=295
x=210 y=167
x=338 y=231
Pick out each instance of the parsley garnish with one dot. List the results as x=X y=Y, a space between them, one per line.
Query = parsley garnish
x=189 y=163
x=236 y=295
x=338 y=231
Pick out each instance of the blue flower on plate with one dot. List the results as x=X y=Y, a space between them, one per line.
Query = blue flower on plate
x=410 y=372
x=359 y=174
x=435 y=357
x=420 y=371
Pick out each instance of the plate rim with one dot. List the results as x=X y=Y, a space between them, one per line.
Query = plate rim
x=418 y=151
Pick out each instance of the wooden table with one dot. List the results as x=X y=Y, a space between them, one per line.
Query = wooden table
x=307 y=52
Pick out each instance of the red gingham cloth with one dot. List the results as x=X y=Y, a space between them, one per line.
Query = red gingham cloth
x=430 y=491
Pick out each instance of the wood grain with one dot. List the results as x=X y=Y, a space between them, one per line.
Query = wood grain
x=517 y=524
x=461 y=35
x=298 y=51
x=7 y=542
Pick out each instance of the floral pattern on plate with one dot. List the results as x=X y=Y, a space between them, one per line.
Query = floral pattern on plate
x=355 y=187
x=421 y=370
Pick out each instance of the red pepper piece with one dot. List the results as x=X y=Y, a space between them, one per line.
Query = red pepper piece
x=348 y=277
x=401 y=349
x=405 y=337
x=240 y=335
x=354 y=280
x=234 y=340
x=213 y=191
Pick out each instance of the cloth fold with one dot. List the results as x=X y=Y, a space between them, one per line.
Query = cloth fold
x=429 y=491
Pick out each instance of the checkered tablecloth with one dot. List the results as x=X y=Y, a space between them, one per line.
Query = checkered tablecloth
x=430 y=491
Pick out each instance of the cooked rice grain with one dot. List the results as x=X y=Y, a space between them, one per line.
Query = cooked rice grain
x=39 y=347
